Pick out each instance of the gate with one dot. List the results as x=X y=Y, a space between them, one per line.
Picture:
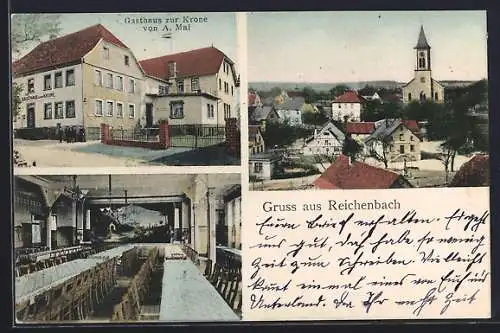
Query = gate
x=196 y=136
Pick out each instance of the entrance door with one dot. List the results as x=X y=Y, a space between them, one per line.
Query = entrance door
x=149 y=115
x=30 y=116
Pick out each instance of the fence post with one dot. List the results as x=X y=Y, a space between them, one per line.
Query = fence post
x=104 y=133
x=165 y=134
x=232 y=136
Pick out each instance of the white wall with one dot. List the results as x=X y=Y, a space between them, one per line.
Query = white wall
x=352 y=110
x=266 y=172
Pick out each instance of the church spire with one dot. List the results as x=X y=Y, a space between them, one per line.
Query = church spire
x=422 y=41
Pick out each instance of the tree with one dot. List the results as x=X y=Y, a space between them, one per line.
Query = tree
x=338 y=90
x=29 y=28
x=310 y=95
x=382 y=154
x=445 y=156
x=283 y=134
x=17 y=90
x=351 y=148
x=314 y=118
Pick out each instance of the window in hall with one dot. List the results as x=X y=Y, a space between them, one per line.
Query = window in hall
x=119 y=110
x=119 y=83
x=257 y=167
x=195 y=84
x=105 y=52
x=109 y=80
x=98 y=108
x=131 y=110
x=70 y=109
x=177 y=109
x=98 y=78
x=131 y=86
x=70 y=77
x=126 y=60
x=31 y=85
x=59 y=114
x=109 y=108
x=47 y=82
x=180 y=86
x=47 y=111
x=412 y=148
x=58 y=80
x=401 y=149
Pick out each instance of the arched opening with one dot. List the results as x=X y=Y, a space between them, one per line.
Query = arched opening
x=409 y=96
x=422 y=96
x=436 y=96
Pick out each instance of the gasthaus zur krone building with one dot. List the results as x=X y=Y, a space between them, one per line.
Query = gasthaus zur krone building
x=90 y=77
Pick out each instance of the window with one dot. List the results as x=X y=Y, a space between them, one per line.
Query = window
x=422 y=79
x=436 y=96
x=401 y=149
x=119 y=110
x=126 y=60
x=131 y=110
x=409 y=96
x=119 y=83
x=70 y=77
x=109 y=108
x=220 y=84
x=226 y=87
x=412 y=148
x=70 y=109
x=340 y=106
x=210 y=111
x=401 y=137
x=177 y=109
x=171 y=69
x=109 y=80
x=31 y=85
x=98 y=108
x=47 y=111
x=105 y=52
x=180 y=86
x=227 y=111
x=195 y=84
x=163 y=90
x=257 y=167
x=232 y=91
x=326 y=142
x=59 y=110
x=47 y=82
x=411 y=137
x=58 y=80
x=131 y=86
x=98 y=78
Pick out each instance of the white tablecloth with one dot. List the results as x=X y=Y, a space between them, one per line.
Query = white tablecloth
x=188 y=296
x=30 y=285
x=113 y=253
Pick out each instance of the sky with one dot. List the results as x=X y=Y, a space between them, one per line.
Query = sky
x=219 y=31
x=327 y=47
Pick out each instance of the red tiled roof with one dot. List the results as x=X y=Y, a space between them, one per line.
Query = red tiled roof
x=358 y=175
x=475 y=172
x=64 y=50
x=199 y=62
x=349 y=97
x=252 y=96
x=360 y=128
x=412 y=125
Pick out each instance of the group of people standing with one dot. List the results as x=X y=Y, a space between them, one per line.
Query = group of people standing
x=70 y=134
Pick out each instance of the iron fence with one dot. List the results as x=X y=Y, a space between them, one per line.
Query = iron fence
x=195 y=136
x=142 y=135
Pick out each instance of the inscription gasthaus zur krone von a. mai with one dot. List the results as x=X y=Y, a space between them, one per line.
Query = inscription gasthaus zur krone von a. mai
x=372 y=258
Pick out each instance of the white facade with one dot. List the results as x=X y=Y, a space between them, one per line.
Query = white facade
x=261 y=168
x=36 y=95
x=328 y=141
x=351 y=110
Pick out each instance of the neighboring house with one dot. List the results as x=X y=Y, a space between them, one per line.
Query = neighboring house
x=261 y=166
x=289 y=111
x=473 y=173
x=359 y=131
x=344 y=174
x=327 y=141
x=423 y=87
x=255 y=140
x=348 y=105
x=373 y=97
x=259 y=114
x=254 y=99
x=395 y=140
x=81 y=79
x=202 y=87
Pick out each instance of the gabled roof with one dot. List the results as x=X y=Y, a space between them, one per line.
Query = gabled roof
x=422 y=41
x=349 y=97
x=360 y=127
x=342 y=174
x=332 y=129
x=385 y=127
x=259 y=113
x=199 y=62
x=293 y=103
x=64 y=50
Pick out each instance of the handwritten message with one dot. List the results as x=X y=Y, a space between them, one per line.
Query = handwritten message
x=392 y=254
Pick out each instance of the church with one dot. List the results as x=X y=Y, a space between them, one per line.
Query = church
x=423 y=87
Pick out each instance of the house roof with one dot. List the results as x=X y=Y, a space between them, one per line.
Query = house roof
x=349 y=97
x=475 y=172
x=332 y=129
x=198 y=62
x=422 y=41
x=386 y=127
x=360 y=127
x=64 y=50
x=293 y=103
x=343 y=175
x=260 y=112
x=412 y=125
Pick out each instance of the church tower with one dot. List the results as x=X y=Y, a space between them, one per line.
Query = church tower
x=422 y=87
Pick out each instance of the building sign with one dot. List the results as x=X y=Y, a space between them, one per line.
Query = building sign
x=35 y=97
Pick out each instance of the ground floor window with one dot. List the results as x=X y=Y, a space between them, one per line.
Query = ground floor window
x=119 y=110
x=109 y=109
x=98 y=108
x=47 y=111
x=131 y=110
x=257 y=167
x=177 y=109
x=59 y=110
x=401 y=149
x=70 y=109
